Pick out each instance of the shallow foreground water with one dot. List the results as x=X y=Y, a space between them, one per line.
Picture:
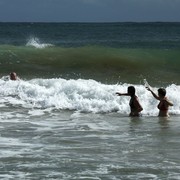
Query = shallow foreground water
x=71 y=145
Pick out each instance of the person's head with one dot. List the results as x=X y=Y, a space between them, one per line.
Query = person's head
x=13 y=76
x=162 y=92
x=131 y=90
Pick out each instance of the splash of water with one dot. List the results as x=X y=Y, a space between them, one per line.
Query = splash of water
x=35 y=42
x=81 y=95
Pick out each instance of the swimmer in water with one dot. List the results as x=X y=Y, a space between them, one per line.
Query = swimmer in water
x=164 y=103
x=13 y=76
x=134 y=104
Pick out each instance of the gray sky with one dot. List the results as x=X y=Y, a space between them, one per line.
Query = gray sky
x=89 y=10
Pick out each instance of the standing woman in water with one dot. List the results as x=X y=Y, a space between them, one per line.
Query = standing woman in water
x=164 y=103
x=134 y=104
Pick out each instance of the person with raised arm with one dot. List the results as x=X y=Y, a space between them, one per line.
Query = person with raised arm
x=164 y=103
x=134 y=104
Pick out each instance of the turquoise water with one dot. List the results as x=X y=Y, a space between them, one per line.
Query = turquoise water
x=125 y=52
x=159 y=66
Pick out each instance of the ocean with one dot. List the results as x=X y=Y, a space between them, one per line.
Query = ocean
x=63 y=119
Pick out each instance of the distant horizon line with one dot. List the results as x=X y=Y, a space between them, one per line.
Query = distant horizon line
x=90 y=22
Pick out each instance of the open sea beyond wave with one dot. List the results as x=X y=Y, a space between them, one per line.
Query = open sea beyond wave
x=63 y=120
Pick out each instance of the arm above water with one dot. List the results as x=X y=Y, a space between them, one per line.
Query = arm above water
x=155 y=96
x=122 y=94
x=169 y=103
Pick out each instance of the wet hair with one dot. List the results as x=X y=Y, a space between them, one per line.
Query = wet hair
x=162 y=91
x=13 y=76
x=131 y=90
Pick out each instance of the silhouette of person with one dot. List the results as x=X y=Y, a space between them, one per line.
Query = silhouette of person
x=164 y=103
x=13 y=76
x=134 y=104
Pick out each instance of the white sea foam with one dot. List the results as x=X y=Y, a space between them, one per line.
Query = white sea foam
x=35 y=42
x=81 y=95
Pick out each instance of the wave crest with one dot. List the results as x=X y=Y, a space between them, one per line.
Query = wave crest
x=81 y=95
x=35 y=42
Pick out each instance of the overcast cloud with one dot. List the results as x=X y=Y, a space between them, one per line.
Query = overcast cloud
x=89 y=10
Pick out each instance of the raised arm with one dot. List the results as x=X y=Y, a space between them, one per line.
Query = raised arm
x=155 y=96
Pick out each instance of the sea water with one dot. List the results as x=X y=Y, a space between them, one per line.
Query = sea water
x=63 y=119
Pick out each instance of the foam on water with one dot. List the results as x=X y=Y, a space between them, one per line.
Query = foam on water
x=80 y=95
x=34 y=42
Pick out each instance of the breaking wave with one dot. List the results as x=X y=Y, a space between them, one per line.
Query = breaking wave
x=80 y=95
x=35 y=42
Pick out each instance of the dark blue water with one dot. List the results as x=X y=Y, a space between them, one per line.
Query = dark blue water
x=128 y=35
